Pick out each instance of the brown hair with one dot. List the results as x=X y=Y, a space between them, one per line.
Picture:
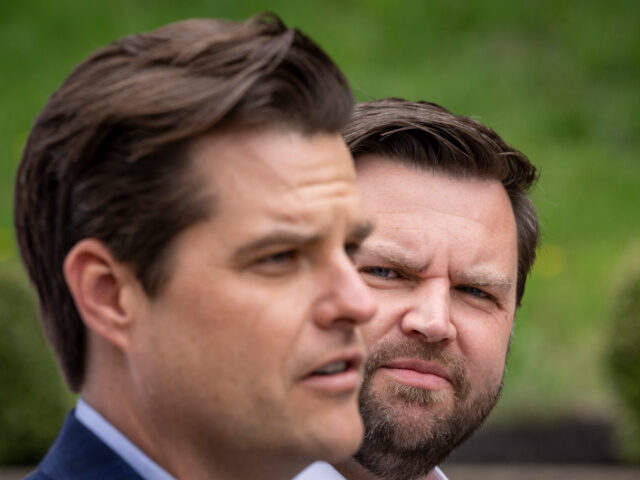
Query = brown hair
x=107 y=157
x=425 y=135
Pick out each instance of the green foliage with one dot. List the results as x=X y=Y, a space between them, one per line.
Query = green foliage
x=624 y=359
x=33 y=398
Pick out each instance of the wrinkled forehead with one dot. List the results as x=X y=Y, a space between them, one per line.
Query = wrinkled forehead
x=389 y=185
x=433 y=214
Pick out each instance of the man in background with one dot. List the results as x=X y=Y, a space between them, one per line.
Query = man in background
x=455 y=239
x=187 y=211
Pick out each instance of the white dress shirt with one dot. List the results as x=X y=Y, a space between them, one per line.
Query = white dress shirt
x=136 y=458
x=324 y=471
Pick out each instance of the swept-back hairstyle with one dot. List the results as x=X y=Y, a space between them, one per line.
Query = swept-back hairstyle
x=107 y=157
x=426 y=136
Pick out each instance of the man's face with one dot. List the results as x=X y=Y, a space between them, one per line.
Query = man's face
x=442 y=263
x=252 y=344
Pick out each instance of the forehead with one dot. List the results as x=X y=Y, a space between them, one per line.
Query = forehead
x=240 y=150
x=416 y=190
x=277 y=174
x=425 y=213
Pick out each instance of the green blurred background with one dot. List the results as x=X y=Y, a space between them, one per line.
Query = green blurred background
x=558 y=79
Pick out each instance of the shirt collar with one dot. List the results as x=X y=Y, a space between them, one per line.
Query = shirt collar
x=136 y=458
x=324 y=471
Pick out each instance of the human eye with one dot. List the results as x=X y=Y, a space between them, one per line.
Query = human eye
x=380 y=272
x=277 y=263
x=476 y=292
x=279 y=257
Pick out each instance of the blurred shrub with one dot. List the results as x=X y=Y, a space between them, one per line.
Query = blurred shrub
x=624 y=357
x=33 y=398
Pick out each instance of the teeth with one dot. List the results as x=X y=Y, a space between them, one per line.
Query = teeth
x=332 y=368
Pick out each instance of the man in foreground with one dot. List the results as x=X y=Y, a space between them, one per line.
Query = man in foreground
x=455 y=239
x=187 y=210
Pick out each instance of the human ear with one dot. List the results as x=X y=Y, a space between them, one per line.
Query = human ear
x=101 y=288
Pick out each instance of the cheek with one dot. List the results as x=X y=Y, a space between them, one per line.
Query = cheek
x=213 y=324
x=264 y=328
x=484 y=344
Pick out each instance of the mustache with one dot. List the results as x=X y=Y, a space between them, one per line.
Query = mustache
x=429 y=352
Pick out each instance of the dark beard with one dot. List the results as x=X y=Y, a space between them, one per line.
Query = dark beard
x=400 y=446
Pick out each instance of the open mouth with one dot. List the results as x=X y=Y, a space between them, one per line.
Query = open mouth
x=337 y=376
x=333 y=368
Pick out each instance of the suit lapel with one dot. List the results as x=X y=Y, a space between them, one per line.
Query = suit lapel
x=78 y=454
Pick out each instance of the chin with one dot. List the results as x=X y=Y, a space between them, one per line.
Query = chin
x=342 y=439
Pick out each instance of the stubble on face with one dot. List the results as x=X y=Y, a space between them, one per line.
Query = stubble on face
x=410 y=430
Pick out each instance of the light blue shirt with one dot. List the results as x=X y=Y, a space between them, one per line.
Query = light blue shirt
x=136 y=458
x=324 y=471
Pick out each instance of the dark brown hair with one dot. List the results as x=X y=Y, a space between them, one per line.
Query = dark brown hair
x=426 y=136
x=107 y=157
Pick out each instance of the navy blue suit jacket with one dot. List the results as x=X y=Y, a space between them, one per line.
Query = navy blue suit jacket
x=77 y=454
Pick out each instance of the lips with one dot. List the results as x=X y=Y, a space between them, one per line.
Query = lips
x=339 y=373
x=418 y=373
x=332 y=368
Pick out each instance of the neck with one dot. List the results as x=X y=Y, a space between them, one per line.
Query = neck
x=184 y=450
x=191 y=458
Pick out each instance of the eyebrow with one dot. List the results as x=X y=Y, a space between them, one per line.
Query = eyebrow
x=277 y=237
x=394 y=257
x=290 y=237
x=484 y=279
x=360 y=230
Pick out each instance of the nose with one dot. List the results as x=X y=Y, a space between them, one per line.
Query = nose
x=429 y=315
x=347 y=300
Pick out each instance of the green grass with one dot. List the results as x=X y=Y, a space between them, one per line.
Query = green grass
x=558 y=79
